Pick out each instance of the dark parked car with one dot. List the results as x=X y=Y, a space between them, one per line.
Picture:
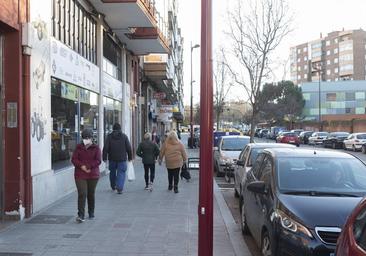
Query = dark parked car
x=256 y=132
x=295 y=201
x=263 y=133
x=352 y=241
x=304 y=136
x=335 y=140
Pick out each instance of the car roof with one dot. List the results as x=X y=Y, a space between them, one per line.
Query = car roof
x=358 y=133
x=271 y=145
x=235 y=136
x=301 y=152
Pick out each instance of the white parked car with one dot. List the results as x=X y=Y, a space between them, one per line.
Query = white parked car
x=354 y=141
x=227 y=153
x=246 y=159
x=317 y=138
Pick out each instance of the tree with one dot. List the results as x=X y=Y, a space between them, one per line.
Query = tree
x=222 y=85
x=281 y=102
x=255 y=35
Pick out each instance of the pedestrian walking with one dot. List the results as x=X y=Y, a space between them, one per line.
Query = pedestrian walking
x=117 y=150
x=175 y=155
x=149 y=152
x=155 y=137
x=86 y=159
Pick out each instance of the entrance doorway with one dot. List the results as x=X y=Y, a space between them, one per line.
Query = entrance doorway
x=1 y=127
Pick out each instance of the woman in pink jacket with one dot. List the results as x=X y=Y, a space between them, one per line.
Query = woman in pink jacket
x=175 y=154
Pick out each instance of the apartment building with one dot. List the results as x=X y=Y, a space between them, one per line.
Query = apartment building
x=341 y=55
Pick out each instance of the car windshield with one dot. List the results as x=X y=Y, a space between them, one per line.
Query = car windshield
x=340 y=134
x=234 y=144
x=289 y=134
x=322 y=134
x=322 y=175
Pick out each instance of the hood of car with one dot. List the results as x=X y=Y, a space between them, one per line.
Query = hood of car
x=231 y=154
x=319 y=211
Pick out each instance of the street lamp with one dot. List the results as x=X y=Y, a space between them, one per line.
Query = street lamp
x=191 y=118
x=318 y=69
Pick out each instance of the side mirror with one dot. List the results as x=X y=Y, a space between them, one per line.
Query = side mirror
x=216 y=148
x=240 y=163
x=258 y=187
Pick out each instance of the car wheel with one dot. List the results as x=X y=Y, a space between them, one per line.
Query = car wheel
x=266 y=245
x=354 y=148
x=334 y=146
x=243 y=222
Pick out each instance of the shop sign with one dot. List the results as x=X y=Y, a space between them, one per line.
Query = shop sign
x=112 y=87
x=71 y=67
x=159 y=95
x=166 y=109
x=69 y=91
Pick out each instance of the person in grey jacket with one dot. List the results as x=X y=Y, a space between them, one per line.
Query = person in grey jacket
x=117 y=149
x=149 y=152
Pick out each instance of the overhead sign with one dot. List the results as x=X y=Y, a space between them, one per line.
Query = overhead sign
x=112 y=87
x=160 y=95
x=71 y=67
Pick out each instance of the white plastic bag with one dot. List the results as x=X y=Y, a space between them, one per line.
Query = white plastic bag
x=130 y=171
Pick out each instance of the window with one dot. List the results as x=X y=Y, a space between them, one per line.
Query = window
x=327 y=43
x=350 y=96
x=346 y=46
x=74 y=26
x=328 y=62
x=305 y=58
x=328 y=52
x=306 y=67
x=298 y=51
x=348 y=67
x=112 y=55
x=336 y=70
x=335 y=50
x=112 y=114
x=299 y=59
x=306 y=76
x=350 y=111
x=346 y=57
x=298 y=68
x=305 y=49
x=298 y=77
x=359 y=229
x=336 y=40
x=328 y=72
x=72 y=110
x=331 y=96
x=336 y=60
x=257 y=166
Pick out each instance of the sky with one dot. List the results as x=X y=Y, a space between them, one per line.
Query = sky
x=311 y=17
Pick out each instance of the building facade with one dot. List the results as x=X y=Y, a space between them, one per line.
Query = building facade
x=79 y=64
x=342 y=100
x=338 y=56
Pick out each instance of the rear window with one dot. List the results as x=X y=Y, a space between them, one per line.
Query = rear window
x=234 y=144
x=292 y=134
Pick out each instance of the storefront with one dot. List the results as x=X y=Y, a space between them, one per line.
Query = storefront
x=112 y=102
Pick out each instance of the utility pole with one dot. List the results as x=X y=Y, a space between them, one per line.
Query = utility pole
x=205 y=207
x=191 y=116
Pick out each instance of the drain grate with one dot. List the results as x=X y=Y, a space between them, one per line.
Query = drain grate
x=49 y=219
x=71 y=236
x=224 y=185
x=15 y=254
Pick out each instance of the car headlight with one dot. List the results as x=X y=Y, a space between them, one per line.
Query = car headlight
x=291 y=225
x=226 y=160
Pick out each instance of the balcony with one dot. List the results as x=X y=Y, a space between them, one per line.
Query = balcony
x=136 y=23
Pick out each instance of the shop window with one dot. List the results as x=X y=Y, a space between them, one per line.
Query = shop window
x=331 y=96
x=112 y=114
x=350 y=96
x=350 y=110
x=72 y=110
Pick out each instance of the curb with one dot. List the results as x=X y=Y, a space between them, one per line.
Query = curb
x=235 y=235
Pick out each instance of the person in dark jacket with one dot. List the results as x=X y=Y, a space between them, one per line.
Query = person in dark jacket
x=117 y=149
x=149 y=152
x=86 y=159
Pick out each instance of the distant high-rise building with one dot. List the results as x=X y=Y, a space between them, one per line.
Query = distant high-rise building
x=341 y=55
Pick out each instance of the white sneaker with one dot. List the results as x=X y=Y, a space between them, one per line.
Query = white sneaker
x=150 y=186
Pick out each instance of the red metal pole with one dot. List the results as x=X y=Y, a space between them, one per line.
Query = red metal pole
x=205 y=207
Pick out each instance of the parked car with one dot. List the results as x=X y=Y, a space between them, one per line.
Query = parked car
x=274 y=132
x=288 y=137
x=354 y=141
x=256 y=132
x=246 y=159
x=335 y=140
x=295 y=201
x=352 y=241
x=317 y=138
x=227 y=153
x=297 y=131
x=263 y=133
x=304 y=136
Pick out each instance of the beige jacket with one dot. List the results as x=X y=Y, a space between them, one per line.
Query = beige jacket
x=174 y=154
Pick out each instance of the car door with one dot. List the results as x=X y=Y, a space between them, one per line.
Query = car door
x=251 y=201
x=240 y=169
x=264 y=202
x=348 y=142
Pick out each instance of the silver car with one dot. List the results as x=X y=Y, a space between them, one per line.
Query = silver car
x=247 y=158
x=317 y=138
x=227 y=152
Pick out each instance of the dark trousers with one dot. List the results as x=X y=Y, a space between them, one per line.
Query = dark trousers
x=86 y=190
x=150 y=167
x=117 y=174
x=173 y=176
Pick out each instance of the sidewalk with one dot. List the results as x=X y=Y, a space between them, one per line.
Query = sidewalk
x=138 y=222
